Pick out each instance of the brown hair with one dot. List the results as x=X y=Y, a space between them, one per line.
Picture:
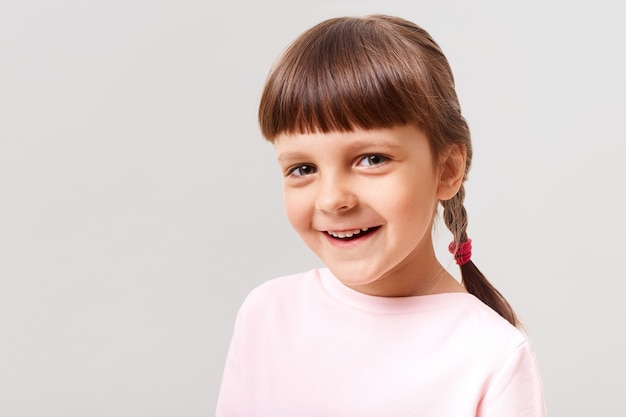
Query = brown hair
x=375 y=72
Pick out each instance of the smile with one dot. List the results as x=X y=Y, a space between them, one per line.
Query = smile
x=351 y=234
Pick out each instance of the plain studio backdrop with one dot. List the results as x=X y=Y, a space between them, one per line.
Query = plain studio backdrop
x=139 y=203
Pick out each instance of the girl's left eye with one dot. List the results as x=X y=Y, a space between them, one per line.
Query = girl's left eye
x=372 y=160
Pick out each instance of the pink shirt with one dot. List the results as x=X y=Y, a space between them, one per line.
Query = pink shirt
x=305 y=345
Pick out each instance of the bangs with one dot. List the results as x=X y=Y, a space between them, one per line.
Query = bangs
x=351 y=73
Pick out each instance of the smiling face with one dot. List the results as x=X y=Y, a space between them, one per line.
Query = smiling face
x=364 y=202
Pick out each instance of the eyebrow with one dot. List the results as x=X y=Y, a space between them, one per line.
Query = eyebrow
x=381 y=143
x=291 y=156
x=364 y=145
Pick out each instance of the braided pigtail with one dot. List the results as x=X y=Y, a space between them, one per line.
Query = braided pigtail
x=455 y=217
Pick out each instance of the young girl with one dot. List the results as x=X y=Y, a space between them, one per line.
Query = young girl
x=370 y=138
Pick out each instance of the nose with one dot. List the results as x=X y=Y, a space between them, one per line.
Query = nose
x=335 y=195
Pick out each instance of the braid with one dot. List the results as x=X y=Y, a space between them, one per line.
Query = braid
x=455 y=217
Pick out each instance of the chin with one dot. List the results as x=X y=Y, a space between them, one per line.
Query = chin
x=354 y=276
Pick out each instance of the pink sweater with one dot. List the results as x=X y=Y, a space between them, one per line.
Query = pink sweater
x=307 y=346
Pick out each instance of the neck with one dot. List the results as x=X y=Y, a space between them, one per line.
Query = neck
x=421 y=276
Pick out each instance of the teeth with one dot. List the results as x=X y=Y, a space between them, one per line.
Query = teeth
x=348 y=233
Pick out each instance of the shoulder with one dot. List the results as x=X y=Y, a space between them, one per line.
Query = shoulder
x=482 y=319
x=487 y=335
x=285 y=285
x=282 y=291
x=513 y=380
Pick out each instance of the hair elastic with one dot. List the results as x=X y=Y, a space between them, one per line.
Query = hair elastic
x=462 y=251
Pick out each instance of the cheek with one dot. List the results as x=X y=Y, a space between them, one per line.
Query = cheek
x=296 y=211
x=414 y=207
x=411 y=213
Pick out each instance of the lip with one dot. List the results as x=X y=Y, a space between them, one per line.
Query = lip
x=350 y=241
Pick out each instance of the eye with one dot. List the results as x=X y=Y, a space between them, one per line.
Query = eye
x=301 y=170
x=372 y=160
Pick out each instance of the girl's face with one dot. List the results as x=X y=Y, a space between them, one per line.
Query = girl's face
x=364 y=202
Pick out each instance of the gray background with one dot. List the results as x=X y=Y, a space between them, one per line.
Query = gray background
x=139 y=203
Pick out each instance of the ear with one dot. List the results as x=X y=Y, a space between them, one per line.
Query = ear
x=451 y=171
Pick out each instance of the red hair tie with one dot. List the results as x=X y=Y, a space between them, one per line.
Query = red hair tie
x=462 y=251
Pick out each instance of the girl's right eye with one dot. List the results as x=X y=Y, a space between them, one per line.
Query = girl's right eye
x=301 y=170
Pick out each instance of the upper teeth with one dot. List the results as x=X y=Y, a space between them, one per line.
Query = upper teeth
x=348 y=233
